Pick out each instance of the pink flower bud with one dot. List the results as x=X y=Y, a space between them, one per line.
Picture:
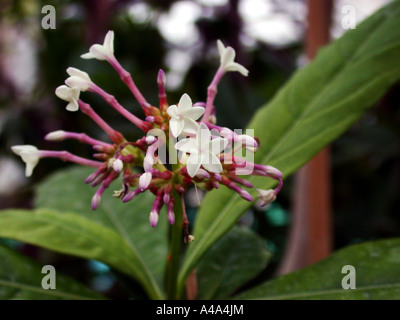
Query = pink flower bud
x=150 y=119
x=202 y=174
x=151 y=139
x=145 y=180
x=161 y=78
x=171 y=215
x=166 y=198
x=245 y=195
x=96 y=200
x=117 y=165
x=153 y=218
x=148 y=162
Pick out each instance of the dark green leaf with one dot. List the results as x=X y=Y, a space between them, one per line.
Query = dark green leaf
x=73 y=234
x=234 y=260
x=377 y=270
x=66 y=191
x=21 y=279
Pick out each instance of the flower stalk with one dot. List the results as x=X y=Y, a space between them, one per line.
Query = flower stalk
x=174 y=255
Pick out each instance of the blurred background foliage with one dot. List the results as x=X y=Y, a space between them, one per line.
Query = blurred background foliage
x=180 y=37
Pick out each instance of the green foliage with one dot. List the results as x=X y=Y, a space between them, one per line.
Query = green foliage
x=21 y=278
x=66 y=191
x=133 y=247
x=377 y=266
x=234 y=260
x=73 y=234
x=316 y=106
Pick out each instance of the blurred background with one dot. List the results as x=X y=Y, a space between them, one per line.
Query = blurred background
x=180 y=37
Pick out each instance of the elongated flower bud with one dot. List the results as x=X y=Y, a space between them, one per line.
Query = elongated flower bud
x=145 y=180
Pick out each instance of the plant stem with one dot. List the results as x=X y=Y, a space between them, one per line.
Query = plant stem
x=175 y=248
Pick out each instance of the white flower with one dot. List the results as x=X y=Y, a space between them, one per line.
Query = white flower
x=102 y=52
x=30 y=155
x=227 y=56
x=203 y=151
x=266 y=196
x=78 y=79
x=69 y=94
x=183 y=116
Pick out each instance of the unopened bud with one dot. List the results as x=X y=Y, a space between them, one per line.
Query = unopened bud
x=151 y=139
x=266 y=196
x=153 y=218
x=145 y=180
x=58 y=135
x=161 y=78
x=96 y=201
x=202 y=174
x=117 y=165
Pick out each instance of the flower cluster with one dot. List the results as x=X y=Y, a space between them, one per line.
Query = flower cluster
x=206 y=153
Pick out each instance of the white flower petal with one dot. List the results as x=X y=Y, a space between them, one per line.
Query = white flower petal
x=26 y=147
x=74 y=72
x=185 y=104
x=78 y=82
x=237 y=67
x=217 y=145
x=187 y=145
x=109 y=42
x=203 y=137
x=88 y=55
x=193 y=164
x=221 y=48
x=212 y=163
x=176 y=127
x=73 y=106
x=190 y=126
x=99 y=52
x=30 y=155
x=228 y=57
x=173 y=112
x=63 y=92
x=194 y=112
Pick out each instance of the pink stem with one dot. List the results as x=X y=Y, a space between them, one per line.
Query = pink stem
x=127 y=79
x=114 y=135
x=110 y=99
x=84 y=138
x=211 y=93
x=66 y=156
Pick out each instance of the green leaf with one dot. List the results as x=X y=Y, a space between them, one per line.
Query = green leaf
x=377 y=270
x=21 y=279
x=70 y=233
x=316 y=106
x=236 y=258
x=66 y=191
